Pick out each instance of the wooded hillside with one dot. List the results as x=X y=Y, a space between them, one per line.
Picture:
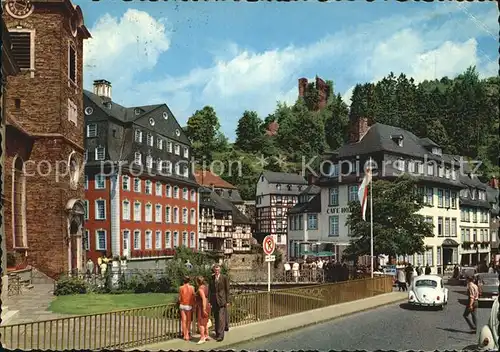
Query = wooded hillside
x=460 y=114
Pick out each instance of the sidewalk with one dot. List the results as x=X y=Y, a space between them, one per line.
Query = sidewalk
x=257 y=330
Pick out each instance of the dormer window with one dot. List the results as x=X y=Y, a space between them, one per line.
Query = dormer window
x=447 y=173
x=107 y=105
x=400 y=165
x=398 y=139
x=436 y=151
x=278 y=187
x=430 y=169
x=420 y=168
x=138 y=136
x=289 y=187
x=473 y=194
x=412 y=167
x=441 y=171
x=137 y=111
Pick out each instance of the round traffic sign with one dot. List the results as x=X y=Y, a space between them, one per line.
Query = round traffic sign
x=268 y=245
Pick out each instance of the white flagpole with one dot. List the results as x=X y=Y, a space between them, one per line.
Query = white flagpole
x=371 y=218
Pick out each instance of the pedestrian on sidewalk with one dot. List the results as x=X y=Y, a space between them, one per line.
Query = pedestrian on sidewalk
x=427 y=269
x=472 y=304
x=186 y=304
x=202 y=309
x=219 y=299
x=401 y=280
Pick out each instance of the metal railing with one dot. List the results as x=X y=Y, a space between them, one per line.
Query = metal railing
x=142 y=326
x=279 y=276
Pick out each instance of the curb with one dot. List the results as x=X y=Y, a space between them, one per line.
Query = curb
x=245 y=340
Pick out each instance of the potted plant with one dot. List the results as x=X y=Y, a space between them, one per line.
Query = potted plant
x=116 y=261
x=123 y=260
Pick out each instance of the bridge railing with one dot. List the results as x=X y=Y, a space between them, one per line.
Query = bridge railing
x=141 y=326
x=278 y=276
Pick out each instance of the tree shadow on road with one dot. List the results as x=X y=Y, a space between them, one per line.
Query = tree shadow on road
x=468 y=332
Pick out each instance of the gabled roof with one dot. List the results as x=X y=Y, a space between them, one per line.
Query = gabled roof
x=313 y=206
x=284 y=178
x=208 y=179
x=220 y=203
x=310 y=190
x=238 y=216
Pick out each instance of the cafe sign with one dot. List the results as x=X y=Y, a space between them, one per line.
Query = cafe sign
x=344 y=210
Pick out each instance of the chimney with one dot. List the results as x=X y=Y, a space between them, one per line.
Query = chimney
x=102 y=88
x=494 y=183
x=302 y=87
x=311 y=179
x=359 y=127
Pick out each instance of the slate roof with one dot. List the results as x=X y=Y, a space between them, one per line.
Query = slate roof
x=220 y=203
x=311 y=189
x=127 y=115
x=238 y=217
x=378 y=139
x=208 y=179
x=284 y=178
x=313 y=206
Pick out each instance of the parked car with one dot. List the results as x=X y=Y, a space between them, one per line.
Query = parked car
x=428 y=291
x=488 y=287
x=488 y=337
x=466 y=272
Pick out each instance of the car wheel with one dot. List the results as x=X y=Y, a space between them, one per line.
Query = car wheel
x=441 y=307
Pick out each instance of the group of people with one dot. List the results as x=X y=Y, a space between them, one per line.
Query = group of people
x=206 y=299
x=405 y=275
x=332 y=270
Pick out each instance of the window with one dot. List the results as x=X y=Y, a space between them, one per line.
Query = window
x=149 y=139
x=100 y=181
x=148 y=212
x=149 y=162
x=168 y=239
x=159 y=143
x=148 y=240
x=441 y=171
x=158 y=189
x=400 y=165
x=100 y=240
x=22 y=49
x=176 y=192
x=467 y=235
x=429 y=220
x=430 y=169
x=167 y=166
x=91 y=130
x=430 y=196
x=86 y=182
x=100 y=153
x=193 y=195
x=137 y=239
x=176 y=239
x=177 y=149
x=184 y=216
x=100 y=209
x=454 y=200
x=138 y=158
x=312 y=222
x=148 y=187
x=137 y=185
x=178 y=169
x=138 y=136
x=186 y=152
x=158 y=213
x=447 y=199
x=462 y=234
x=453 y=227
x=440 y=226
x=126 y=183
x=447 y=227
x=429 y=256
x=72 y=64
x=137 y=211
x=168 y=215
x=158 y=239
x=126 y=237
x=86 y=241
x=193 y=217
x=184 y=239
x=481 y=235
x=334 y=196
x=169 y=146
x=86 y=209
x=474 y=215
x=462 y=214
x=334 y=226
x=168 y=191
x=185 y=194
x=440 y=198
x=486 y=235
x=334 y=170
x=176 y=215
x=474 y=235
x=126 y=210
x=192 y=243
x=352 y=195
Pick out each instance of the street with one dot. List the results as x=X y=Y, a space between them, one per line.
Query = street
x=393 y=327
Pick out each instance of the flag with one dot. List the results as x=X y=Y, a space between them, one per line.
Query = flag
x=363 y=191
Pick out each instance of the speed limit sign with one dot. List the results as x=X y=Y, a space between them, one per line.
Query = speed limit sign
x=268 y=245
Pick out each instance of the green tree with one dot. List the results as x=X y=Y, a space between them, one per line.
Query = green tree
x=336 y=122
x=202 y=129
x=397 y=228
x=248 y=132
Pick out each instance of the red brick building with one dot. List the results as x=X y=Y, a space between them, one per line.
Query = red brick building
x=43 y=196
x=141 y=194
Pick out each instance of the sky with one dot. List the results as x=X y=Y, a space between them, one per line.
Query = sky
x=238 y=56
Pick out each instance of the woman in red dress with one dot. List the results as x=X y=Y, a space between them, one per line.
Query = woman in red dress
x=202 y=308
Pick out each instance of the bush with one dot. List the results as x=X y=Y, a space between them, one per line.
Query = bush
x=11 y=260
x=70 y=286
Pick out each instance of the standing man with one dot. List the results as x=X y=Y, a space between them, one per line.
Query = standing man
x=470 y=309
x=219 y=299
